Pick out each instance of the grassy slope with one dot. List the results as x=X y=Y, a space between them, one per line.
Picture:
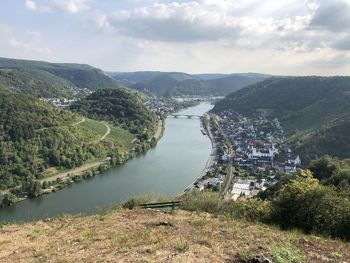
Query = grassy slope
x=135 y=236
x=122 y=136
x=119 y=106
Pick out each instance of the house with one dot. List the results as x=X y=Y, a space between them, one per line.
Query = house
x=297 y=161
x=263 y=153
x=214 y=182
x=239 y=188
x=289 y=168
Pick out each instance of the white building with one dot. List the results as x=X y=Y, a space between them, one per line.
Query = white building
x=256 y=154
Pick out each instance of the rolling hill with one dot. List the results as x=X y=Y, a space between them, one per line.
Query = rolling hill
x=314 y=111
x=52 y=80
x=181 y=84
x=119 y=106
x=38 y=140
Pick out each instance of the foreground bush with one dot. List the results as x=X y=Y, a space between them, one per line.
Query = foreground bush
x=312 y=207
x=206 y=201
x=301 y=203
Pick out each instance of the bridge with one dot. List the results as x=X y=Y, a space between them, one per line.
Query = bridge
x=189 y=116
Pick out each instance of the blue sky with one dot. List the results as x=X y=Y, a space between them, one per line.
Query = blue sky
x=285 y=37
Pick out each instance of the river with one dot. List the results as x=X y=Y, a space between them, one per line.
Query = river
x=168 y=168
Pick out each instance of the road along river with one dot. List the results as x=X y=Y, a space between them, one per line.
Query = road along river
x=176 y=161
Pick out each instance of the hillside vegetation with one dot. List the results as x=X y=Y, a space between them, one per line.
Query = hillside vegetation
x=314 y=111
x=35 y=136
x=154 y=236
x=48 y=80
x=314 y=201
x=119 y=106
x=38 y=140
x=181 y=84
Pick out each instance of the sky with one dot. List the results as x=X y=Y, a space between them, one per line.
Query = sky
x=280 y=37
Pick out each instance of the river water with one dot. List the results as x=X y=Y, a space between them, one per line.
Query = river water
x=168 y=168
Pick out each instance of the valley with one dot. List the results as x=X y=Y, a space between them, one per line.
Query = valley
x=244 y=156
x=175 y=131
x=168 y=168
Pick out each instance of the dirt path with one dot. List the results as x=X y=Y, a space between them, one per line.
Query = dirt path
x=103 y=136
x=78 y=170
x=107 y=133
x=79 y=122
x=82 y=168
x=159 y=130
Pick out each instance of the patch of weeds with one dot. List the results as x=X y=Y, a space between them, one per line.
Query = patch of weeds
x=40 y=256
x=201 y=241
x=243 y=256
x=297 y=232
x=286 y=253
x=109 y=209
x=199 y=222
x=34 y=234
x=86 y=237
x=134 y=239
x=182 y=246
x=150 y=250
x=61 y=217
x=4 y=224
x=336 y=256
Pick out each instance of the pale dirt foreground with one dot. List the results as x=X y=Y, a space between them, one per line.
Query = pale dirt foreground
x=154 y=236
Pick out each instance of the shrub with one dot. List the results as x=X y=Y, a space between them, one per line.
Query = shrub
x=205 y=201
x=252 y=210
x=286 y=253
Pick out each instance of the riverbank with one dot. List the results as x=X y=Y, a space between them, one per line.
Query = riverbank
x=60 y=180
x=205 y=125
x=168 y=168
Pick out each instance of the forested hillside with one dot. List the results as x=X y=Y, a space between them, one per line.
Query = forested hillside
x=314 y=111
x=35 y=136
x=52 y=80
x=38 y=140
x=181 y=84
x=119 y=106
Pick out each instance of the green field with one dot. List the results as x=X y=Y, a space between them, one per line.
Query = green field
x=118 y=134
x=124 y=137
x=97 y=127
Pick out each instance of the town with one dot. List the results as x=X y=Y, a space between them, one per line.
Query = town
x=248 y=154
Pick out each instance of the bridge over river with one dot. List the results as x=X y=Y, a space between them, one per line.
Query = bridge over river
x=189 y=116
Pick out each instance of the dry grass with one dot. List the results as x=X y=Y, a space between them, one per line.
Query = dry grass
x=137 y=236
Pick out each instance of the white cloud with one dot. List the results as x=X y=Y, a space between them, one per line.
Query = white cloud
x=31 y=5
x=69 y=6
x=203 y=20
x=33 y=34
x=5 y=29
x=279 y=37
x=14 y=43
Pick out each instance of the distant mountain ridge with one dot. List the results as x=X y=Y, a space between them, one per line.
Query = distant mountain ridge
x=183 y=84
x=314 y=111
x=43 y=79
x=66 y=80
